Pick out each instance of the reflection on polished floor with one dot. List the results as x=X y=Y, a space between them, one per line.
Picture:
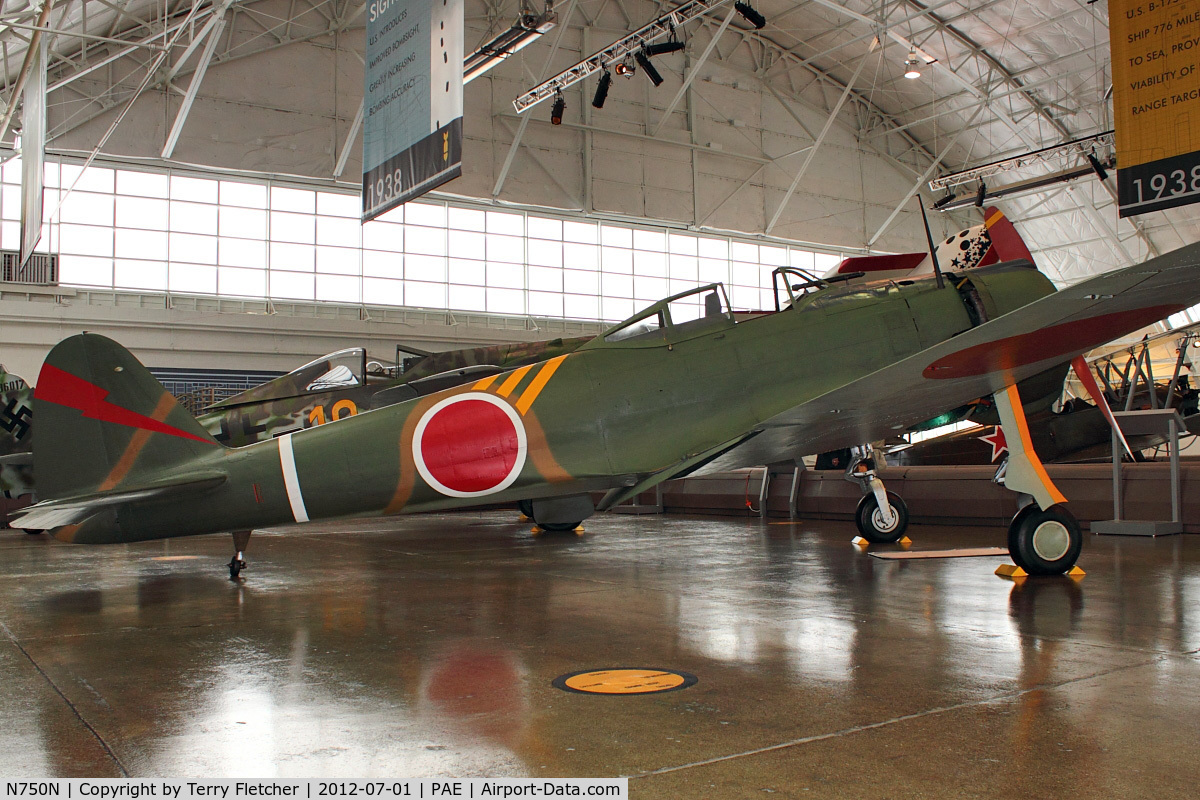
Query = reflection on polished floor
x=426 y=646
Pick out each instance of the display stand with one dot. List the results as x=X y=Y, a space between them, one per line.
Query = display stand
x=1153 y=422
x=634 y=507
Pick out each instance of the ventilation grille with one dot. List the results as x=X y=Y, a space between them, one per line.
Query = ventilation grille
x=41 y=268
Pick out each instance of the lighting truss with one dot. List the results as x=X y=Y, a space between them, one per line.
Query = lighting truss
x=1082 y=147
x=617 y=51
x=528 y=27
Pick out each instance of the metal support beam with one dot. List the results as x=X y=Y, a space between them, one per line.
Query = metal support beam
x=516 y=142
x=917 y=186
x=695 y=70
x=213 y=29
x=350 y=137
x=837 y=108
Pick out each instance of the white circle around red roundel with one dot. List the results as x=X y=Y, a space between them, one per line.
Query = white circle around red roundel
x=470 y=445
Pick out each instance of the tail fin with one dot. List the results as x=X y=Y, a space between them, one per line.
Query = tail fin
x=104 y=422
x=1006 y=242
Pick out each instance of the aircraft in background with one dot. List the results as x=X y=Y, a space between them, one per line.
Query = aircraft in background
x=16 y=435
x=679 y=388
x=993 y=241
x=347 y=382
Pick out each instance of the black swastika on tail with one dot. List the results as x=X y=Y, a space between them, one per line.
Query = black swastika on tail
x=16 y=420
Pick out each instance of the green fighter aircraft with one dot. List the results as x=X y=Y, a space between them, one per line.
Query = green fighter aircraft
x=680 y=387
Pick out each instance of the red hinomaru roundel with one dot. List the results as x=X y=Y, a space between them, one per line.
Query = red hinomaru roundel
x=470 y=445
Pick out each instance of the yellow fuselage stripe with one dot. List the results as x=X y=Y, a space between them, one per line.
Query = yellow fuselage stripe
x=1014 y=399
x=507 y=387
x=538 y=383
x=482 y=385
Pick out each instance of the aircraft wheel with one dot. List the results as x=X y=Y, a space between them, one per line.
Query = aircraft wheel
x=236 y=565
x=525 y=507
x=872 y=525
x=1044 y=542
x=559 y=527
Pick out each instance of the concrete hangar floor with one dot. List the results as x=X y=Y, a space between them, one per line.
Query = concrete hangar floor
x=427 y=646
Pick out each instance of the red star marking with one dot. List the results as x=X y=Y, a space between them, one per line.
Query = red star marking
x=997 y=441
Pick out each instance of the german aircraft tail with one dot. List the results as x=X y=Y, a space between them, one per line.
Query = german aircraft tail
x=105 y=425
x=991 y=242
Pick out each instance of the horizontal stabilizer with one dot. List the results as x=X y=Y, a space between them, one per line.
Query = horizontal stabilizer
x=53 y=514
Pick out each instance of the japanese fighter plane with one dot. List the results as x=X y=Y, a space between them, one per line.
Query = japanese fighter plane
x=680 y=387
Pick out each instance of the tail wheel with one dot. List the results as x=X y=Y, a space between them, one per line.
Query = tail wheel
x=1045 y=542
x=874 y=526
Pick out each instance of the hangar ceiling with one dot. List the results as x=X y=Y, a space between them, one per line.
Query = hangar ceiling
x=281 y=84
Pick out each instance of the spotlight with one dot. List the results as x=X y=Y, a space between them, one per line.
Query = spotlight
x=749 y=14
x=651 y=72
x=945 y=201
x=911 y=66
x=1099 y=169
x=556 y=111
x=980 y=195
x=602 y=90
x=625 y=68
x=663 y=48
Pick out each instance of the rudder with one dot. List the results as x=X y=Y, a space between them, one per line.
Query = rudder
x=104 y=422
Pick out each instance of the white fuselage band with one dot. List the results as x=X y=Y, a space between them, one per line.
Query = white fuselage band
x=291 y=481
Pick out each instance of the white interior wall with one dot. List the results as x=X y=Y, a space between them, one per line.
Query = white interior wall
x=723 y=160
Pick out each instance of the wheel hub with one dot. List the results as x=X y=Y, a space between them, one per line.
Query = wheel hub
x=1051 y=540
x=884 y=524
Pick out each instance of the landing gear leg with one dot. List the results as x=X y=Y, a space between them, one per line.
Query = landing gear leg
x=881 y=516
x=1044 y=538
x=241 y=539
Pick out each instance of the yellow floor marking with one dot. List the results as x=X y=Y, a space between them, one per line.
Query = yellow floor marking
x=625 y=681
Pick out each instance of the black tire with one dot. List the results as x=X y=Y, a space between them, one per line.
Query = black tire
x=1045 y=542
x=235 y=568
x=559 y=527
x=525 y=507
x=870 y=520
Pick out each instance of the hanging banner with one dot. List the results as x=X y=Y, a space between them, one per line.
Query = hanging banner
x=412 y=111
x=33 y=154
x=1156 y=102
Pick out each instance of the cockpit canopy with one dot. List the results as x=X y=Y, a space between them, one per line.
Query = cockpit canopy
x=678 y=317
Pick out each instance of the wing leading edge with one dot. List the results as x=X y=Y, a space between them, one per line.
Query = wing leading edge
x=978 y=362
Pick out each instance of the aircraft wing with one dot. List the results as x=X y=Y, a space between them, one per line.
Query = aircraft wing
x=1001 y=352
x=56 y=513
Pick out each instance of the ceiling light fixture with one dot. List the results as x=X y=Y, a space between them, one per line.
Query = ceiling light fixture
x=644 y=62
x=556 y=110
x=750 y=14
x=529 y=26
x=602 y=89
x=912 y=66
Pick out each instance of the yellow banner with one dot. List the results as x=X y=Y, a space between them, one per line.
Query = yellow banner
x=1156 y=102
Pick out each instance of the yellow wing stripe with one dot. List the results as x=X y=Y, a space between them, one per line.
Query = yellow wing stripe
x=1027 y=444
x=507 y=387
x=993 y=219
x=482 y=385
x=538 y=383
